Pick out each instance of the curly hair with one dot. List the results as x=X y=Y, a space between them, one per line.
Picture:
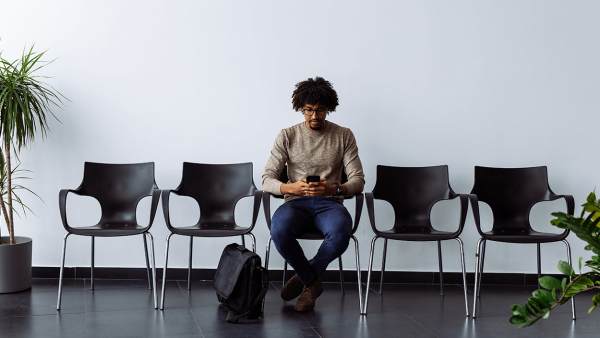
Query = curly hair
x=313 y=91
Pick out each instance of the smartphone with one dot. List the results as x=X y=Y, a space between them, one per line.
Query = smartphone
x=313 y=178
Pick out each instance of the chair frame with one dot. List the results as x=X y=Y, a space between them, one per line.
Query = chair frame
x=481 y=243
x=165 y=204
x=62 y=197
x=371 y=211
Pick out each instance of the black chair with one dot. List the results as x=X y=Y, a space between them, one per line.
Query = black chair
x=118 y=188
x=216 y=188
x=315 y=234
x=412 y=192
x=511 y=193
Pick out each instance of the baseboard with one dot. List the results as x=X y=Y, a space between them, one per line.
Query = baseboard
x=277 y=275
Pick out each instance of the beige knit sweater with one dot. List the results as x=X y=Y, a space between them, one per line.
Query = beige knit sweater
x=324 y=152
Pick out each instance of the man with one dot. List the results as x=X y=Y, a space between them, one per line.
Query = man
x=312 y=147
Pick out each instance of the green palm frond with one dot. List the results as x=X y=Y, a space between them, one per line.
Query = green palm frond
x=25 y=101
x=25 y=107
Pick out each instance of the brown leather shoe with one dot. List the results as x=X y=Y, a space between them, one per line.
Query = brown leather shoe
x=292 y=289
x=309 y=295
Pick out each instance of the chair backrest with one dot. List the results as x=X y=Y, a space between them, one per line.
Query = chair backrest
x=216 y=188
x=283 y=177
x=511 y=193
x=412 y=192
x=118 y=188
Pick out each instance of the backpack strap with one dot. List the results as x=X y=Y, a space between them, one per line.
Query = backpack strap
x=232 y=316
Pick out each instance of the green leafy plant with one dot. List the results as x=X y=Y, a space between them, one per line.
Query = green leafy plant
x=546 y=299
x=25 y=104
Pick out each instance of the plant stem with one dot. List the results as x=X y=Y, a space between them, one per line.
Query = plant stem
x=5 y=216
x=9 y=224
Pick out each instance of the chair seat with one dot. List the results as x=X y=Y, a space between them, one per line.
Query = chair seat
x=113 y=229
x=311 y=234
x=523 y=236
x=417 y=234
x=211 y=230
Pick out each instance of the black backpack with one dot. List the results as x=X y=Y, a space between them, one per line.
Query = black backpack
x=241 y=283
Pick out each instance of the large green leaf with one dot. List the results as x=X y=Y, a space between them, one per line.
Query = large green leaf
x=518 y=310
x=566 y=268
x=517 y=320
x=549 y=283
x=543 y=297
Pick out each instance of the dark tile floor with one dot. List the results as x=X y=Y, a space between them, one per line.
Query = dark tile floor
x=124 y=308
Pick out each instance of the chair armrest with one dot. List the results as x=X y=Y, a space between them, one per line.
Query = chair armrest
x=371 y=210
x=165 y=207
x=62 y=205
x=570 y=206
x=464 y=208
x=266 y=196
x=155 y=198
x=257 y=199
x=475 y=208
x=570 y=202
x=358 y=210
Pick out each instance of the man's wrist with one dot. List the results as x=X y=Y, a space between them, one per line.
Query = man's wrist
x=337 y=190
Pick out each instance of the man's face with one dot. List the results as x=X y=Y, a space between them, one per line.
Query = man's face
x=315 y=115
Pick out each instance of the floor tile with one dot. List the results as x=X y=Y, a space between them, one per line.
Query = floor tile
x=239 y=332
x=47 y=326
x=51 y=284
x=32 y=303
x=142 y=323
x=123 y=283
x=131 y=299
x=397 y=329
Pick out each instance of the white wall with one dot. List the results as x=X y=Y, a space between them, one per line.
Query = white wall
x=463 y=83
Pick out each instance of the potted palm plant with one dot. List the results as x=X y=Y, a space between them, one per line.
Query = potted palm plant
x=25 y=104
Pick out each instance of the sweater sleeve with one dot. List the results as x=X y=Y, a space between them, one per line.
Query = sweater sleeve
x=275 y=164
x=354 y=169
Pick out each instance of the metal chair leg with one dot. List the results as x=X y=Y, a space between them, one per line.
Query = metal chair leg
x=92 y=266
x=62 y=268
x=267 y=254
x=481 y=268
x=253 y=241
x=383 y=266
x=366 y=302
x=464 y=273
x=147 y=261
x=539 y=263
x=341 y=274
x=477 y=277
x=571 y=263
x=284 y=272
x=190 y=263
x=154 y=291
x=243 y=241
x=441 y=269
x=360 y=297
x=162 y=298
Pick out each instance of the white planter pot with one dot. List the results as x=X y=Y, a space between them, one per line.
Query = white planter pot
x=15 y=264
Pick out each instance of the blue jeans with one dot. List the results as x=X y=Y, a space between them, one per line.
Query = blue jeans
x=327 y=215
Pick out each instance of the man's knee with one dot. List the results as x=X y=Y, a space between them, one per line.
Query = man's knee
x=279 y=233
x=281 y=226
x=339 y=236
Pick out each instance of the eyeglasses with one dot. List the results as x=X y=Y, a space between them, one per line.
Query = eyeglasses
x=310 y=112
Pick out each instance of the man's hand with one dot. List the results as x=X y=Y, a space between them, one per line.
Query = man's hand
x=301 y=188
